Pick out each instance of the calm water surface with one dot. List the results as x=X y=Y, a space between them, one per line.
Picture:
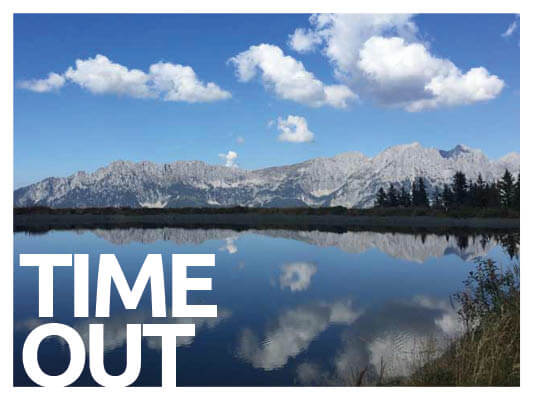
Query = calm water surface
x=294 y=308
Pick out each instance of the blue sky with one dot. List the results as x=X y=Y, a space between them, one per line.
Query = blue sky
x=201 y=86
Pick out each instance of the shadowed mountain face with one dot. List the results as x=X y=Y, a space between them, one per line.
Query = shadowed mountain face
x=348 y=179
x=402 y=246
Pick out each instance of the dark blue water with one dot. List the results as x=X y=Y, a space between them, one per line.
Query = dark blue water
x=294 y=308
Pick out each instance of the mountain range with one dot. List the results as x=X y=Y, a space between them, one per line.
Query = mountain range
x=349 y=179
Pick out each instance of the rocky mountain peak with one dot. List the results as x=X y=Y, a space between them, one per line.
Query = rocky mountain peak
x=349 y=179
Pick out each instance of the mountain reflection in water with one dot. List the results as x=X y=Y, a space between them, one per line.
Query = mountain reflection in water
x=409 y=247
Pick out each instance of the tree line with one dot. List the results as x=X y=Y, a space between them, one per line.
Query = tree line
x=503 y=193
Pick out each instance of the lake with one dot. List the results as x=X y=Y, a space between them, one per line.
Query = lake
x=294 y=307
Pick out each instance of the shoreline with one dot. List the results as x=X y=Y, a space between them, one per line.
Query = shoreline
x=43 y=222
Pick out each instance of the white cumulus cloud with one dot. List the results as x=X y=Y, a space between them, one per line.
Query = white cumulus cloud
x=343 y=35
x=100 y=75
x=288 y=78
x=53 y=82
x=407 y=75
x=229 y=158
x=294 y=129
x=180 y=83
x=381 y=56
x=304 y=40
x=458 y=88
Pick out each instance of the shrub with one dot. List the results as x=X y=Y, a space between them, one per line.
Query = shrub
x=488 y=354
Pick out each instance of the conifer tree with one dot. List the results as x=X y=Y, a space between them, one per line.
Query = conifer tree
x=506 y=188
x=480 y=193
x=516 y=195
x=420 y=197
x=470 y=194
x=493 y=195
x=437 y=199
x=404 y=198
x=392 y=196
x=381 y=198
x=459 y=188
x=460 y=193
x=447 y=197
x=414 y=192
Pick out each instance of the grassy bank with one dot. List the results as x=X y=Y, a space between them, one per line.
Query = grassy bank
x=463 y=212
x=331 y=219
x=488 y=354
x=43 y=222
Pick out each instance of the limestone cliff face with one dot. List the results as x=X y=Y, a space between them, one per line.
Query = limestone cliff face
x=349 y=179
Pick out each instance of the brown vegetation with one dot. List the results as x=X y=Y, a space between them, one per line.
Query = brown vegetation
x=488 y=354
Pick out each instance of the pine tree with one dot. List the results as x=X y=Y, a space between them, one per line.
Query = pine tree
x=480 y=193
x=493 y=195
x=459 y=188
x=470 y=193
x=506 y=189
x=414 y=193
x=392 y=196
x=516 y=195
x=381 y=198
x=420 y=197
x=404 y=198
x=424 y=201
x=447 y=197
x=437 y=199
